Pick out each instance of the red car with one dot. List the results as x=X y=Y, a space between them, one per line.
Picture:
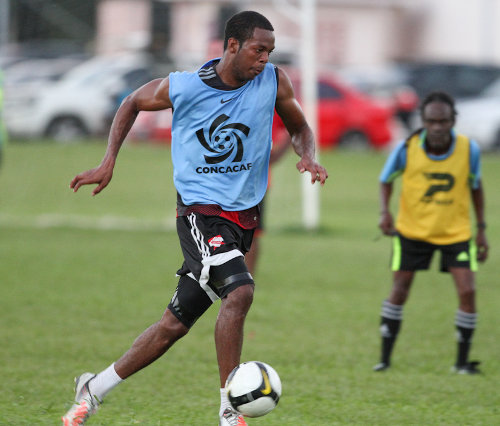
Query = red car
x=346 y=117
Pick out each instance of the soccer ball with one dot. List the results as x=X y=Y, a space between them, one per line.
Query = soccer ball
x=253 y=388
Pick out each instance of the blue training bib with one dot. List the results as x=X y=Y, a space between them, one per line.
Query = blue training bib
x=221 y=140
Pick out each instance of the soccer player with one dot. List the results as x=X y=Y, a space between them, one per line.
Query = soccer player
x=253 y=254
x=441 y=173
x=221 y=141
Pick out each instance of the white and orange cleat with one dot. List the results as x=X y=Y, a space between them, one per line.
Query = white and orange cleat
x=231 y=417
x=85 y=404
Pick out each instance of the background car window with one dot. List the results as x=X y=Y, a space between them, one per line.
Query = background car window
x=471 y=81
x=493 y=90
x=427 y=79
x=325 y=91
x=459 y=80
x=137 y=78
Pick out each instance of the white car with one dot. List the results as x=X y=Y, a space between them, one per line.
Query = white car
x=80 y=104
x=480 y=120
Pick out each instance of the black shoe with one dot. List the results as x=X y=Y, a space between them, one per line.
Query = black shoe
x=469 y=368
x=381 y=366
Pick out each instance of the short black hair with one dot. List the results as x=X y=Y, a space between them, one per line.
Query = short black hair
x=242 y=25
x=438 y=96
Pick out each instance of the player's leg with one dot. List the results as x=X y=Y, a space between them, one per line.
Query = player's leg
x=407 y=257
x=466 y=318
x=150 y=345
x=229 y=329
x=392 y=316
x=464 y=280
x=218 y=265
x=189 y=302
x=402 y=281
x=229 y=343
x=252 y=256
x=234 y=285
x=236 y=292
x=460 y=260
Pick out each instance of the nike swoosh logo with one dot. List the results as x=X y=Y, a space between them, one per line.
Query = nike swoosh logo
x=222 y=101
x=267 y=388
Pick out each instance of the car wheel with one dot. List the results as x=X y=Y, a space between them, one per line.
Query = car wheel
x=354 y=140
x=66 y=129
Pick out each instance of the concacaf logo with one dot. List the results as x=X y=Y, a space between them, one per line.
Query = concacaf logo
x=224 y=140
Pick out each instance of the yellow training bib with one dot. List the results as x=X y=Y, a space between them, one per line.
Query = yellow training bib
x=435 y=195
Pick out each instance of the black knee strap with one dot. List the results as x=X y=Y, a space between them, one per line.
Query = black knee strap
x=230 y=275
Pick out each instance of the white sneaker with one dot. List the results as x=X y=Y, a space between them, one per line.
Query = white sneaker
x=231 y=417
x=85 y=404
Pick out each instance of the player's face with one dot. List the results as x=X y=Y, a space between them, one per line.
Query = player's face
x=438 y=120
x=253 y=56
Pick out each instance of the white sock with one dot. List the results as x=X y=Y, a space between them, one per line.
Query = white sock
x=104 y=382
x=224 y=402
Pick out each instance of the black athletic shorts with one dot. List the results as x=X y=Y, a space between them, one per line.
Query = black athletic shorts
x=414 y=255
x=211 y=241
x=214 y=263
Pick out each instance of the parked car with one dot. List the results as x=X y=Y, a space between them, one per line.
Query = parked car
x=15 y=53
x=387 y=85
x=37 y=72
x=479 y=118
x=80 y=104
x=460 y=80
x=346 y=117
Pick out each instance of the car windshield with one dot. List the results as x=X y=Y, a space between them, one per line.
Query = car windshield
x=493 y=90
x=325 y=90
x=97 y=76
x=98 y=71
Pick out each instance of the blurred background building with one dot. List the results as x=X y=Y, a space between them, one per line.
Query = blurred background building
x=386 y=49
x=350 y=32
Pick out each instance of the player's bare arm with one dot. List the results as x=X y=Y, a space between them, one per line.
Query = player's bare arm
x=386 y=222
x=153 y=96
x=302 y=136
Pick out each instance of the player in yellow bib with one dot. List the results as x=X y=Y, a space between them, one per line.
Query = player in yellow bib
x=441 y=174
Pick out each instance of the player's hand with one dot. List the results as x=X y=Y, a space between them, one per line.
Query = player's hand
x=386 y=223
x=318 y=172
x=101 y=175
x=482 y=246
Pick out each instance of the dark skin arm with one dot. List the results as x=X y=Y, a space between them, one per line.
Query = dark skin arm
x=301 y=134
x=386 y=222
x=153 y=96
x=481 y=241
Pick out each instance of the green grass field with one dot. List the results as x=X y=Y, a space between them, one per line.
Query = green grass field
x=81 y=277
